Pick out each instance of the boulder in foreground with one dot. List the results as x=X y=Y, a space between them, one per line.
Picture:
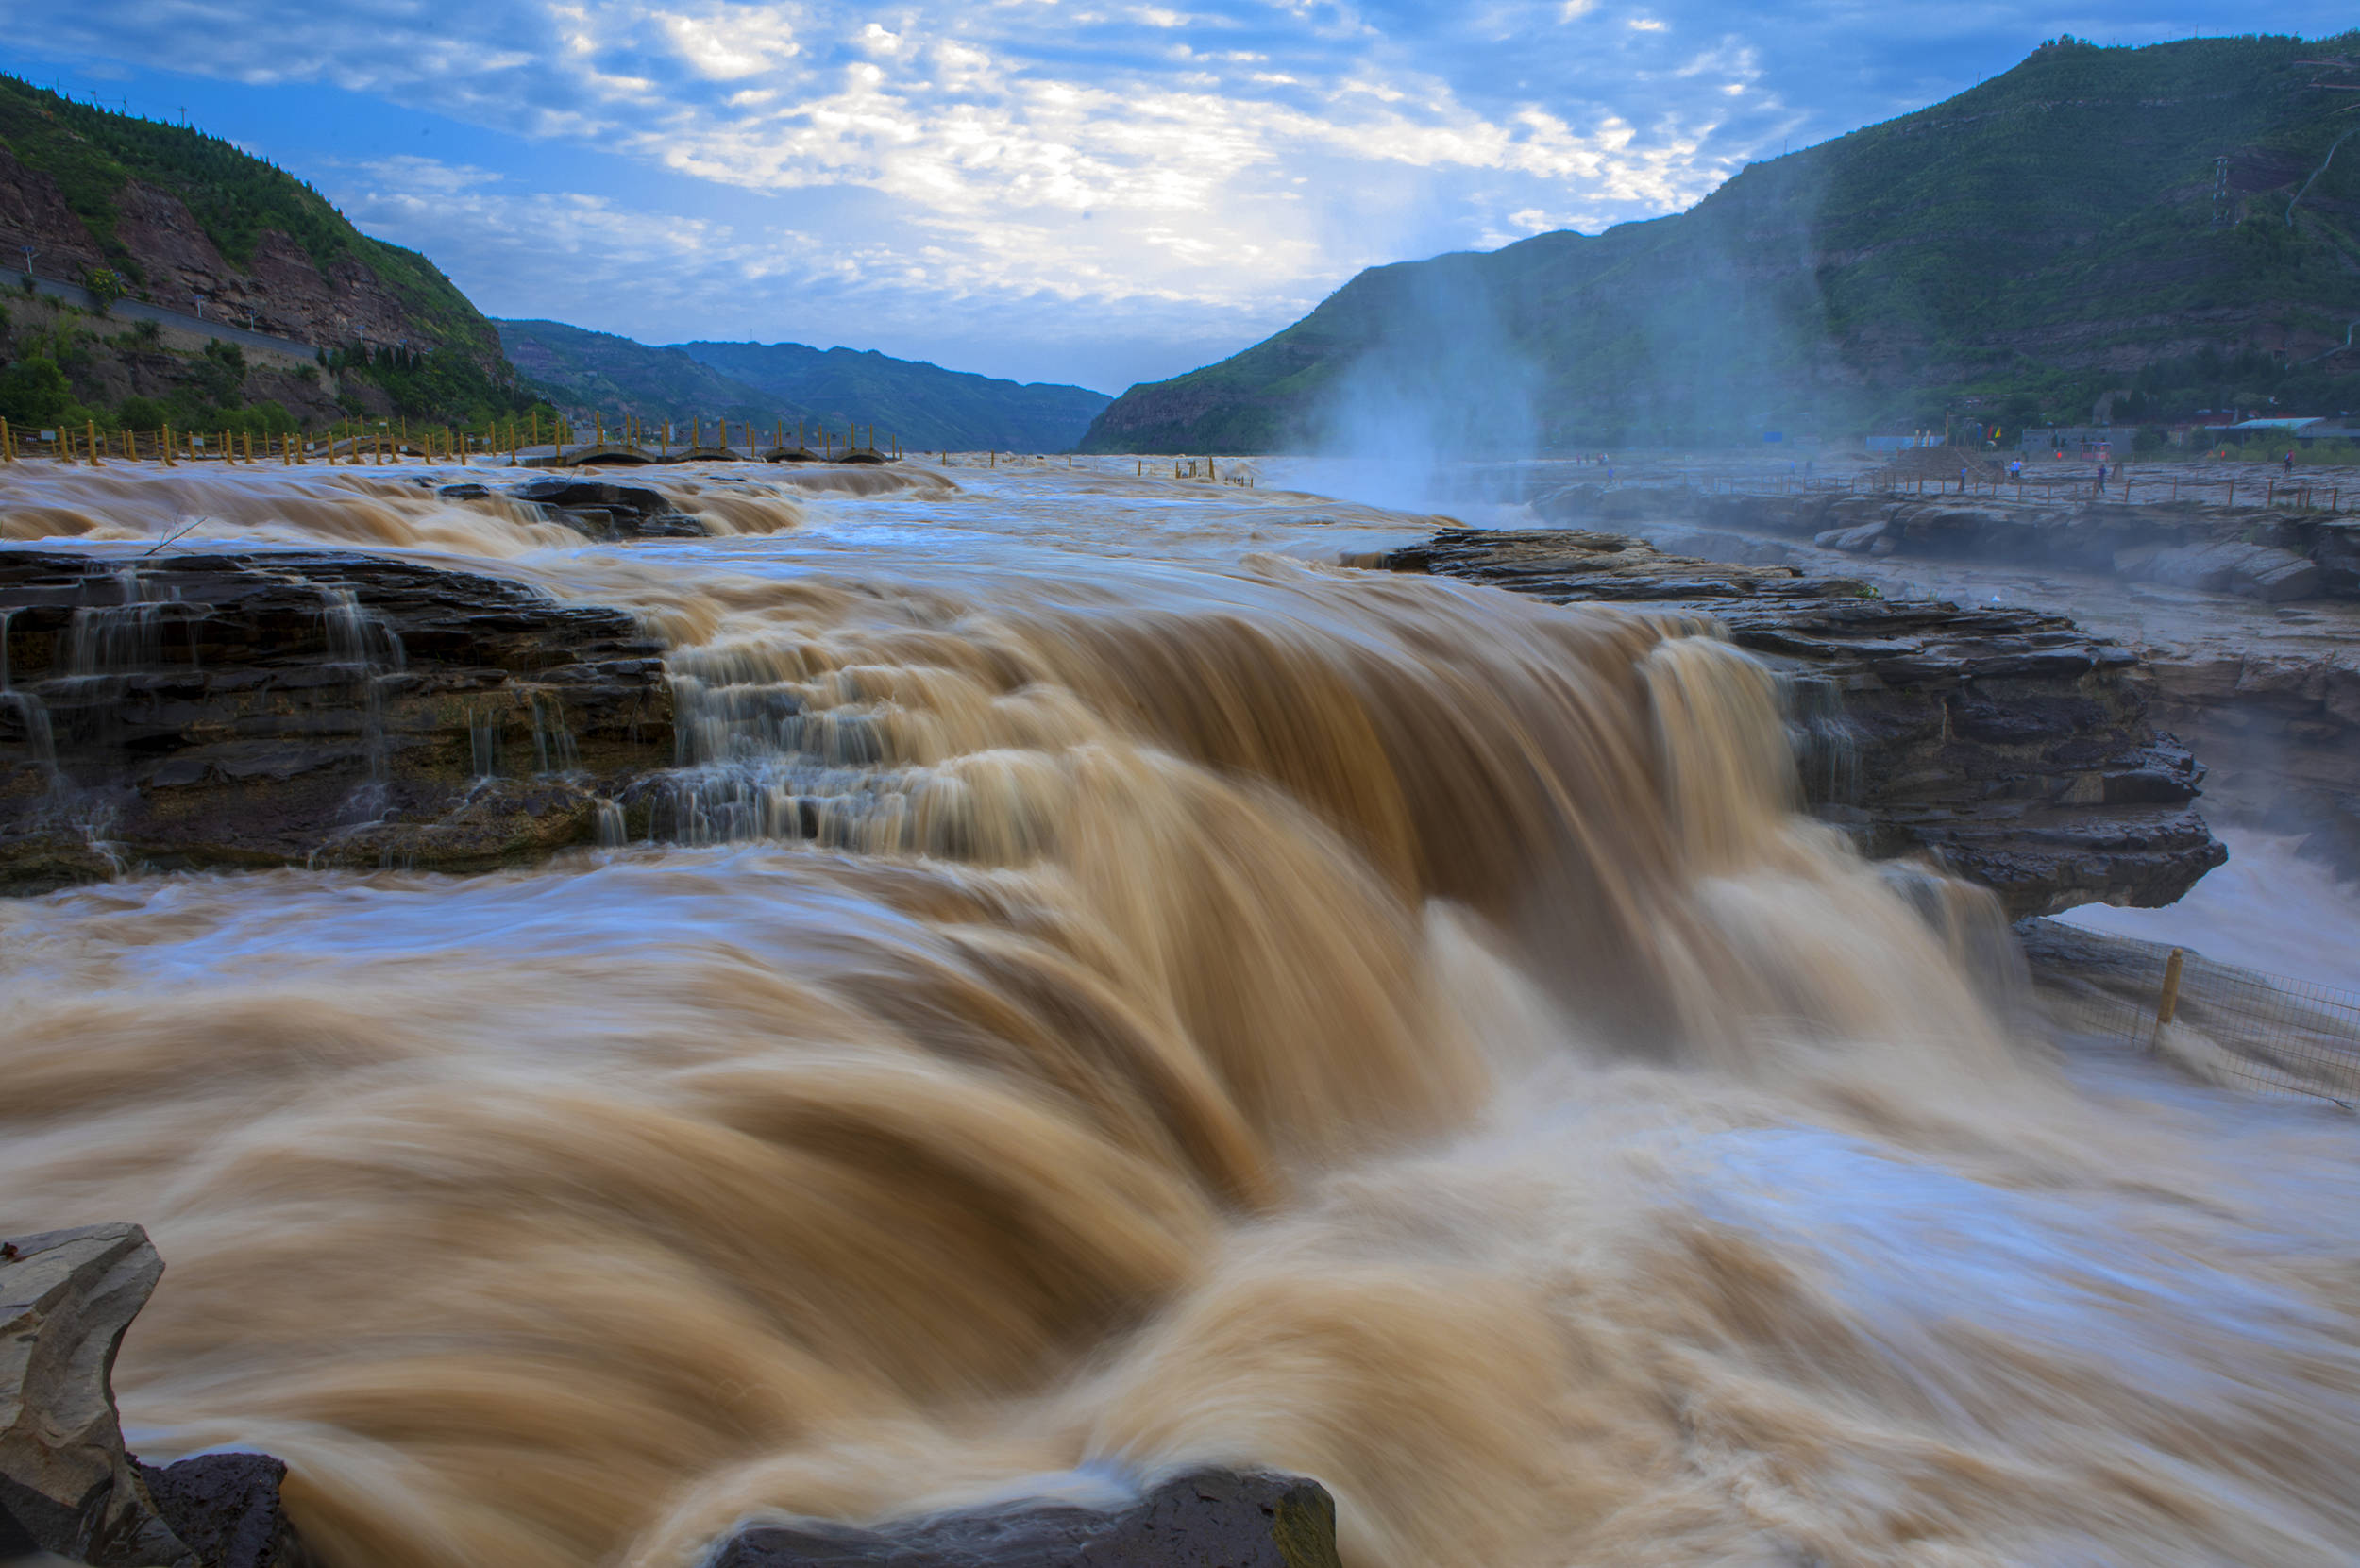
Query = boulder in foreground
x=1204 y=1519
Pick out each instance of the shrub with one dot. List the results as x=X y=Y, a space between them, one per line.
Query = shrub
x=141 y=413
x=34 y=391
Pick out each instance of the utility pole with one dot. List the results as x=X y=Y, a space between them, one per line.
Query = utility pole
x=2220 y=191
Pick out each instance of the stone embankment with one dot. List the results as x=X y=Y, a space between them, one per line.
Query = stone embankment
x=275 y=707
x=69 y=1489
x=2010 y=744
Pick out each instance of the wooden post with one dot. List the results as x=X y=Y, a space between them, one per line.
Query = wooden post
x=2168 y=1004
x=166 y=445
x=7 y=451
x=91 y=426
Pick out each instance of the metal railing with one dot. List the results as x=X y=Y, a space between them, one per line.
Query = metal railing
x=2241 y=1028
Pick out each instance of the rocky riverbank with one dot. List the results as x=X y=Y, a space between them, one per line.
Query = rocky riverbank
x=2012 y=744
x=270 y=707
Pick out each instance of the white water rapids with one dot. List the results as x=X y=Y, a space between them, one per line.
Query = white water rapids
x=1253 y=1010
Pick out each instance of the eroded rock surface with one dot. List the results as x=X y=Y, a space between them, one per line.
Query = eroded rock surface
x=66 y=1486
x=268 y=707
x=2008 y=742
x=1205 y=1519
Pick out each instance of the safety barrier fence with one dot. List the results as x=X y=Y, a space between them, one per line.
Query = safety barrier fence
x=360 y=441
x=2242 y=1028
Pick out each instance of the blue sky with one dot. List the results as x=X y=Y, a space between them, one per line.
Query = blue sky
x=1088 y=191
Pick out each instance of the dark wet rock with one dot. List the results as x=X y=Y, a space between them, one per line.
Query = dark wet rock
x=464 y=491
x=605 y=510
x=2008 y=743
x=275 y=707
x=1206 y=1519
x=227 y=1509
x=66 y=1486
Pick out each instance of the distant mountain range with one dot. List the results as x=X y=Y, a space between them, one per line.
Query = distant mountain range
x=768 y=384
x=2161 y=229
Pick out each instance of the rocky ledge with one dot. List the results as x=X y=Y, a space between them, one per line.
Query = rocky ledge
x=67 y=1486
x=2008 y=743
x=271 y=707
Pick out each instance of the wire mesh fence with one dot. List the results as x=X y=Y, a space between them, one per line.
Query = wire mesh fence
x=2237 y=1027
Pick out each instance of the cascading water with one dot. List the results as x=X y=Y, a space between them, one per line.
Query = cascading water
x=1234 y=1010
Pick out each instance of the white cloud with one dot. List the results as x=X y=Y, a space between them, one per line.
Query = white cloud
x=1227 y=164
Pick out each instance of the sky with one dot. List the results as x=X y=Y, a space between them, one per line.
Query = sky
x=1049 y=190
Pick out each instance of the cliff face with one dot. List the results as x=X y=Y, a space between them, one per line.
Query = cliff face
x=2007 y=742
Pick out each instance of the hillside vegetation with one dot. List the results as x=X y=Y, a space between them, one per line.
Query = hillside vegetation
x=166 y=214
x=2093 y=221
x=93 y=155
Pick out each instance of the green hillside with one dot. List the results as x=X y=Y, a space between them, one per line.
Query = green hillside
x=2012 y=255
x=93 y=153
x=924 y=404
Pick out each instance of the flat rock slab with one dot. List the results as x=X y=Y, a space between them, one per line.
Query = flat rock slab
x=1205 y=1519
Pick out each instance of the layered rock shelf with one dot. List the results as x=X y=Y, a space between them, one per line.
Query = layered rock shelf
x=2008 y=743
x=2276 y=556
x=272 y=707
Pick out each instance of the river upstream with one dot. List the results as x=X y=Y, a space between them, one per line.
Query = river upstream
x=1141 y=993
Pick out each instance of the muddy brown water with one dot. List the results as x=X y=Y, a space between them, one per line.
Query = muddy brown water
x=1238 y=1009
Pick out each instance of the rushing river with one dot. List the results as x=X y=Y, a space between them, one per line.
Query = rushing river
x=1219 y=1005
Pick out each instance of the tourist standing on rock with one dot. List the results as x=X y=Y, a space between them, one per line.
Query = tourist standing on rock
x=2290 y=463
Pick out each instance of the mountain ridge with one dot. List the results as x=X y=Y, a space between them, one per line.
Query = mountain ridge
x=922 y=404
x=2012 y=252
